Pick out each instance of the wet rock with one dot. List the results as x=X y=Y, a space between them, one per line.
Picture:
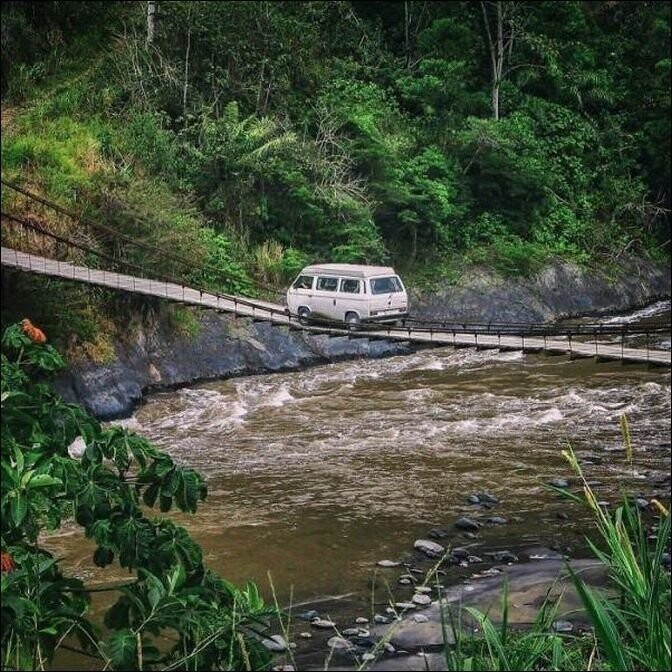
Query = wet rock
x=466 y=524
x=487 y=498
x=322 y=623
x=388 y=563
x=339 y=643
x=497 y=520
x=389 y=648
x=309 y=615
x=423 y=589
x=470 y=535
x=642 y=503
x=561 y=515
x=275 y=643
x=366 y=642
x=473 y=499
x=562 y=626
x=460 y=553
x=404 y=605
x=409 y=577
x=404 y=582
x=437 y=533
x=379 y=618
x=430 y=548
x=559 y=483
x=421 y=599
x=306 y=635
x=366 y=657
x=420 y=618
x=361 y=620
x=473 y=559
x=349 y=632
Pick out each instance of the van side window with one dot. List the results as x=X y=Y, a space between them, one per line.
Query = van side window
x=327 y=284
x=350 y=286
x=303 y=282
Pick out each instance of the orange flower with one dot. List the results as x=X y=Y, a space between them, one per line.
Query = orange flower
x=35 y=334
x=6 y=562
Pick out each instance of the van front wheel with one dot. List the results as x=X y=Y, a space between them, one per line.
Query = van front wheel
x=304 y=314
x=352 y=320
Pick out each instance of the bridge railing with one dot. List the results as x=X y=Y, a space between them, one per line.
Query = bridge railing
x=409 y=325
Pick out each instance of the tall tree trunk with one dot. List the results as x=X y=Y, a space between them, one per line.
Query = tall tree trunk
x=151 y=21
x=186 y=73
x=498 y=42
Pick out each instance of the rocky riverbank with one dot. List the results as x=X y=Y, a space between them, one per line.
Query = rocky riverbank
x=157 y=357
x=402 y=628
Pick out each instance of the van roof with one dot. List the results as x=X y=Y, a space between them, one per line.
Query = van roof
x=351 y=270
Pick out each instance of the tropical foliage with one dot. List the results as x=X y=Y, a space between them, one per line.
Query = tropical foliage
x=59 y=464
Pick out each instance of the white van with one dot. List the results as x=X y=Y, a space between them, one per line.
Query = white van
x=348 y=293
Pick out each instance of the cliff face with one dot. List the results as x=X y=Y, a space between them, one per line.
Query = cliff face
x=227 y=346
x=560 y=290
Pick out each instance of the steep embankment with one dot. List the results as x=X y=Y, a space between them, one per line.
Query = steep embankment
x=158 y=357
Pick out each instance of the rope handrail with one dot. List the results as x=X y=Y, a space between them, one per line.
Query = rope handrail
x=512 y=329
x=125 y=237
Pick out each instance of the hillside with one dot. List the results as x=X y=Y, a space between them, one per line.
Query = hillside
x=255 y=137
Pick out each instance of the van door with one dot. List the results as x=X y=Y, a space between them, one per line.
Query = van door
x=325 y=297
x=352 y=299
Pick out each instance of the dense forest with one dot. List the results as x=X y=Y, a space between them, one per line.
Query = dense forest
x=257 y=136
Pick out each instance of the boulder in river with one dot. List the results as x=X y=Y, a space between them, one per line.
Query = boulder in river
x=430 y=548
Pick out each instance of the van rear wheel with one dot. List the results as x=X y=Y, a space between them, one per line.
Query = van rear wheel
x=304 y=314
x=352 y=320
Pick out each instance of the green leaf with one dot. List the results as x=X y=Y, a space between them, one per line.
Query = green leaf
x=43 y=481
x=18 y=508
x=121 y=648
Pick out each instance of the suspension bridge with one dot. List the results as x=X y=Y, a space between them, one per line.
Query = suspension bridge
x=622 y=342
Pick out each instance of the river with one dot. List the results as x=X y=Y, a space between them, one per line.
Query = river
x=315 y=475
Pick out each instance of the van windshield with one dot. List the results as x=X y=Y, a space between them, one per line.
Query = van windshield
x=386 y=285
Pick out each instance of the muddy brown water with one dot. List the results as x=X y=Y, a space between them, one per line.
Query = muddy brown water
x=315 y=475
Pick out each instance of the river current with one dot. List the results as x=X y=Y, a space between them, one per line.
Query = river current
x=315 y=475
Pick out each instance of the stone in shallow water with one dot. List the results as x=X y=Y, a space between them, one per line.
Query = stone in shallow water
x=322 y=623
x=275 y=643
x=309 y=615
x=466 y=524
x=306 y=635
x=388 y=563
x=497 y=520
x=339 y=643
x=378 y=618
x=405 y=582
x=421 y=599
x=473 y=499
x=423 y=589
x=404 y=605
x=562 y=626
x=559 y=483
x=361 y=620
x=437 y=533
x=420 y=618
x=429 y=548
x=487 y=497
